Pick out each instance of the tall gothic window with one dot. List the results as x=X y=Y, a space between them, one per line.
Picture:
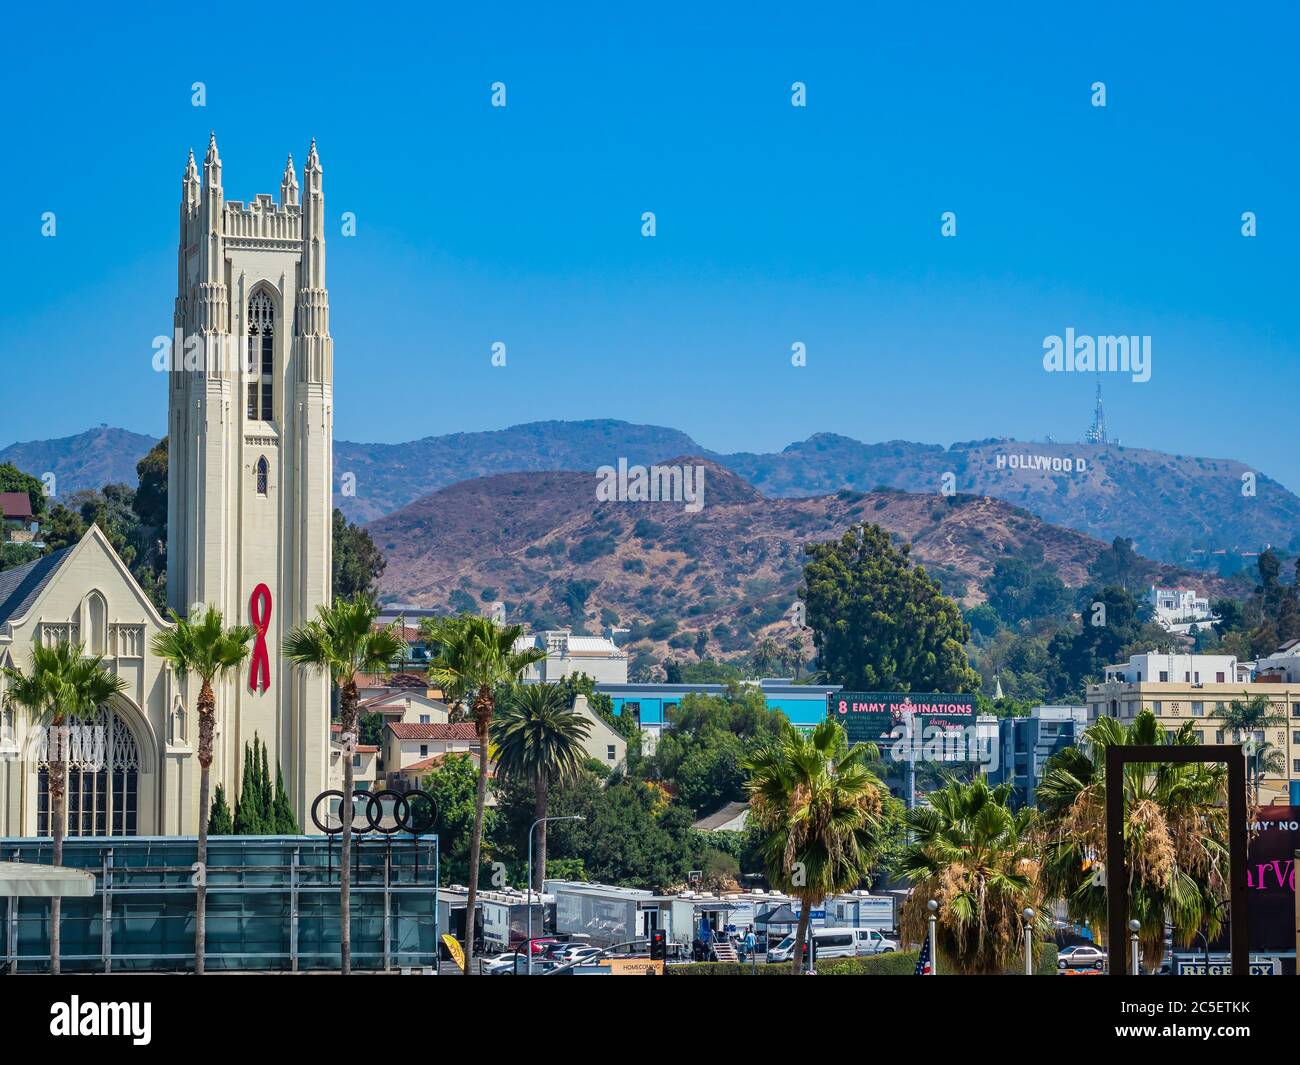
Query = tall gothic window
x=102 y=795
x=261 y=355
x=263 y=475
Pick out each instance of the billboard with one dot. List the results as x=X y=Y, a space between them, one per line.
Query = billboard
x=869 y=717
x=1270 y=877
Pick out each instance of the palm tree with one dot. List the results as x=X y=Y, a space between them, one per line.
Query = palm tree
x=202 y=645
x=342 y=641
x=61 y=687
x=476 y=656
x=820 y=812
x=1248 y=717
x=1175 y=834
x=538 y=740
x=766 y=655
x=974 y=856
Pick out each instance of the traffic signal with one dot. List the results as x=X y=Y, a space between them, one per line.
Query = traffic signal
x=658 y=945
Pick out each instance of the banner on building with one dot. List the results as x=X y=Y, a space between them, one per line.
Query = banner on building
x=868 y=717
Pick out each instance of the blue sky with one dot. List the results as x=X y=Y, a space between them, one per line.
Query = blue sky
x=775 y=224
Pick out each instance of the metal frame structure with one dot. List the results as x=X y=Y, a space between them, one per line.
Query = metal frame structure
x=145 y=893
x=1117 y=757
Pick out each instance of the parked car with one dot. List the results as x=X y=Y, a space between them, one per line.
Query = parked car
x=1081 y=956
x=837 y=943
x=516 y=964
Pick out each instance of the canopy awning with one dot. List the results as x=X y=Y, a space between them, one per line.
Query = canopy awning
x=29 y=880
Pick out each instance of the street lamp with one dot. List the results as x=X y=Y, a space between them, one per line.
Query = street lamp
x=539 y=821
x=933 y=906
x=1133 y=927
x=1029 y=941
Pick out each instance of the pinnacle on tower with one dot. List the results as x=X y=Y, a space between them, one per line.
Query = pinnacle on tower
x=313 y=160
x=289 y=184
x=212 y=162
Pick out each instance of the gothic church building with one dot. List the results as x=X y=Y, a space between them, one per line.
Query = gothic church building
x=250 y=425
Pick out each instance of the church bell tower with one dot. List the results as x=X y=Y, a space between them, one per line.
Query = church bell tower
x=250 y=424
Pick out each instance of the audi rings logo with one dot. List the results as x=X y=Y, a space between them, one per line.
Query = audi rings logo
x=385 y=812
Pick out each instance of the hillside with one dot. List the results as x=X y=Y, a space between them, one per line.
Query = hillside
x=1165 y=503
x=542 y=544
x=88 y=460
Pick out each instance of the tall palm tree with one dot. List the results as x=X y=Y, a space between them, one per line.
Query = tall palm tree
x=1246 y=719
x=766 y=655
x=821 y=814
x=204 y=646
x=342 y=641
x=476 y=656
x=972 y=854
x=61 y=687
x=1175 y=834
x=538 y=740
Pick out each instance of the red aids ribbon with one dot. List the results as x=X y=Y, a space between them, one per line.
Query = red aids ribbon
x=259 y=610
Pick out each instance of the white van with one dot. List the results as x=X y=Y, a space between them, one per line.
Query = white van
x=837 y=943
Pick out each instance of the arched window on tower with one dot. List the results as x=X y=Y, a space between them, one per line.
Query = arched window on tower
x=261 y=355
x=263 y=475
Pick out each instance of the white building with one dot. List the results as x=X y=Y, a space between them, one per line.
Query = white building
x=1154 y=667
x=566 y=654
x=1177 y=609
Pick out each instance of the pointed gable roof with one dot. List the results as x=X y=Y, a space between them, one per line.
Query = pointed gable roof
x=20 y=586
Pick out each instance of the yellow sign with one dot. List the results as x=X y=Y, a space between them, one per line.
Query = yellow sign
x=453 y=948
x=633 y=966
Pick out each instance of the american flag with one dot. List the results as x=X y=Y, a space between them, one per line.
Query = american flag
x=923 y=961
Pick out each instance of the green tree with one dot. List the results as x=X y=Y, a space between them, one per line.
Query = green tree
x=821 y=813
x=221 y=823
x=358 y=563
x=974 y=856
x=204 y=646
x=284 y=820
x=62 y=686
x=1246 y=719
x=476 y=657
x=251 y=818
x=880 y=623
x=539 y=739
x=150 y=500
x=1175 y=832
x=12 y=479
x=453 y=786
x=65 y=528
x=342 y=641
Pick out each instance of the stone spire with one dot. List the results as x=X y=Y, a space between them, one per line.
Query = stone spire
x=190 y=184
x=313 y=223
x=289 y=185
x=212 y=163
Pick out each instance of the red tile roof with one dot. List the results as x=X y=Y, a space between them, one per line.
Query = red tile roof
x=15 y=505
x=439 y=730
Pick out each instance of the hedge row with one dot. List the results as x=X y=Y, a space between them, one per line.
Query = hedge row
x=896 y=964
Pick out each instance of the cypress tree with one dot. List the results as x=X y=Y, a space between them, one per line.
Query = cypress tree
x=220 y=822
x=286 y=824
x=268 y=794
x=249 y=818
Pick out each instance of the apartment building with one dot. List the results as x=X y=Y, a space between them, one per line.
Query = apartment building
x=1178 y=688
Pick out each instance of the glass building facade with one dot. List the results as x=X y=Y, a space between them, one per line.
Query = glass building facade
x=272 y=905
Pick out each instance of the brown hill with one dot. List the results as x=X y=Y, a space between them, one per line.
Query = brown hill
x=544 y=545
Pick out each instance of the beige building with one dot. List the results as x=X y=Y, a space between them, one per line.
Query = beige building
x=137 y=774
x=413 y=750
x=250 y=425
x=1178 y=688
x=249 y=373
x=566 y=654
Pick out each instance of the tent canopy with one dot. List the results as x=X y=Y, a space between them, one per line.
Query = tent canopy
x=28 y=880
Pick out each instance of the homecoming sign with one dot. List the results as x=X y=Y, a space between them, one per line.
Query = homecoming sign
x=869 y=717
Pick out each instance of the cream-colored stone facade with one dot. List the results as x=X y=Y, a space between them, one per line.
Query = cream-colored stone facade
x=249 y=471
x=86 y=594
x=250 y=425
